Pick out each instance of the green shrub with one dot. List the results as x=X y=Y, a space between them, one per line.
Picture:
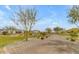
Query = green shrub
x=72 y=36
x=42 y=38
x=4 y=32
x=73 y=40
x=46 y=36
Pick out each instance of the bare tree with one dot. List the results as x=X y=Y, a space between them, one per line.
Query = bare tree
x=25 y=18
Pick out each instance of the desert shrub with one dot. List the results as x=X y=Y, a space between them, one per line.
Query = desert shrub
x=67 y=38
x=72 y=39
x=40 y=35
x=4 y=33
x=46 y=36
x=42 y=38
x=72 y=36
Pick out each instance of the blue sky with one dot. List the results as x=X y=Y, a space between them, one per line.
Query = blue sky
x=48 y=16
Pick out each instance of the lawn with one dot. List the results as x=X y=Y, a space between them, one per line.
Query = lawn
x=9 y=39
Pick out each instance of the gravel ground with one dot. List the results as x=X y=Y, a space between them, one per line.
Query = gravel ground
x=55 y=44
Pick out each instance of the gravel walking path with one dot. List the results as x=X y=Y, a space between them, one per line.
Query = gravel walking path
x=51 y=45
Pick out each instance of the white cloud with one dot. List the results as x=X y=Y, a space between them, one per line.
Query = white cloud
x=7 y=7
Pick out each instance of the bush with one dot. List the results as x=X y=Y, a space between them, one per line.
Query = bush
x=46 y=36
x=42 y=38
x=73 y=40
x=72 y=36
x=67 y=38
x=4 y=32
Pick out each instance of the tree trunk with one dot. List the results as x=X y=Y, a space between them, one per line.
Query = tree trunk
x=26 y=35
x=29 y=30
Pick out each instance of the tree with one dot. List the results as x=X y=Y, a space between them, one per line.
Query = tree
x=58 y=29
x=73 y=15
x=73 y=34
x=48 y=30
x=25 y=18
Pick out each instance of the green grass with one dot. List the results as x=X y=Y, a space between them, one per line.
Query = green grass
x=9 y=39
